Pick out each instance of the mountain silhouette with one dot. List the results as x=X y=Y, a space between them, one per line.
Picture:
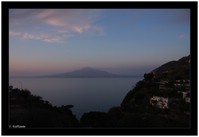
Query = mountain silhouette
x=88 y=72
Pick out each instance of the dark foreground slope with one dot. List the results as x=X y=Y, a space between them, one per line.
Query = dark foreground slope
x=169 y=82
x=32 y=111
x=136 y=109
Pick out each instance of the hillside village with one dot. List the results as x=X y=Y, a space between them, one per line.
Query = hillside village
x=180 y=86
x=163 y=93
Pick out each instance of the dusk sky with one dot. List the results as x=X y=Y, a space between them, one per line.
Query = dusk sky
x=124 y=41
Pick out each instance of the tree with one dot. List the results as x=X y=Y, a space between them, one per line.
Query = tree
x=148 y=76
x=95 y=119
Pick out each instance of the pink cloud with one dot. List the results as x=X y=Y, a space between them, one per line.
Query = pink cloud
x=56 y=25
x=55 y=22
x=29 y=36
x=12 y=33
x=41 y=37
x=44 y=38
x=76 y=21
x=81 y=29
x=53 y=40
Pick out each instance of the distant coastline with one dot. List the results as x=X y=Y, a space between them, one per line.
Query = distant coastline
x=81 y=73
x=74 y=76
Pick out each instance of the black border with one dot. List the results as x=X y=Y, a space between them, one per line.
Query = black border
x=98 y=5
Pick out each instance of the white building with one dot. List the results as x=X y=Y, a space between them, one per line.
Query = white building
x=159 y=102
x=185 y=96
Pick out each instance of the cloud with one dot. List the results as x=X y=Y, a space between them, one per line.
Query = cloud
x=53 y=40
x=11 y=33
x=77 y=21
x=41 y=37
x=72 y=20
x=44 y=38
x=60 y=23
x=49 y=17
x=81 y=29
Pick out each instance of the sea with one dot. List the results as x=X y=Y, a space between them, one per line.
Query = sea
x=85 y=94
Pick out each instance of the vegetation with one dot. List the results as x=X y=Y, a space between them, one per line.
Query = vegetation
x=32 y=111
x=95 y=119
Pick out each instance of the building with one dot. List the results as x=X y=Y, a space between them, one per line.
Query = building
x=186 y=96
x=159 y=102
x=164 y=85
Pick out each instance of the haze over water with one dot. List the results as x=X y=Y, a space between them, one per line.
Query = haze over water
x=86 y=94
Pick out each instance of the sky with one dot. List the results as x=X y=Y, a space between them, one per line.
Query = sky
x=122 y=41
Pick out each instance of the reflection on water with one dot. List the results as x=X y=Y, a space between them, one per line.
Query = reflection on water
x=86 y=94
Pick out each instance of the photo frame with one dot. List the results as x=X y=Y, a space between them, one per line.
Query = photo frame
x=6 y=130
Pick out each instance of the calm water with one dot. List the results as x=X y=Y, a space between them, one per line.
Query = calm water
x=86 y=94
